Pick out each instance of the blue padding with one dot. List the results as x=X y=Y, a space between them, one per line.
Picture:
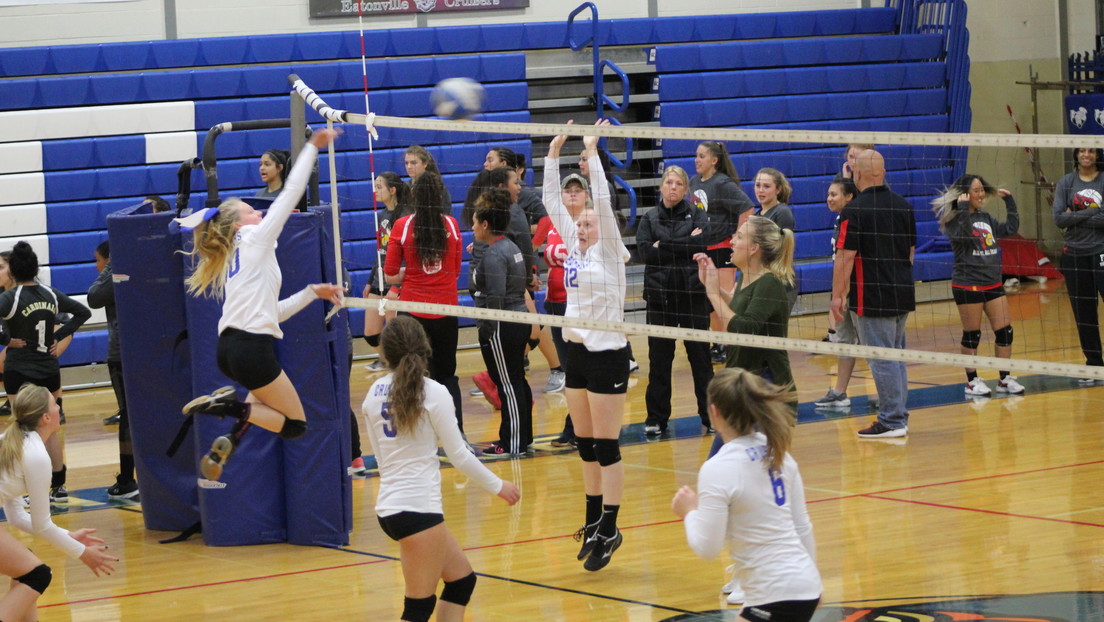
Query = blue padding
x=724 y=112
x=73 y=279
x=814 y=277
x=933 y=266
x=276 y=490
x=799 y=80
x=93 y=153
x=75 y=247
x=84 y=215
x=87 y=347
x=805 y=52
x=111 y=182
x=812 y=244
x=156 y=364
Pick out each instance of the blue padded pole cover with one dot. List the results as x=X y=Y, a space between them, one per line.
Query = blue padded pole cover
x=314 y=354
x=149 y=294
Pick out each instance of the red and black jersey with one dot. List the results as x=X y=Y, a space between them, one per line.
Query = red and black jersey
x=424 y=282
x=880 y=227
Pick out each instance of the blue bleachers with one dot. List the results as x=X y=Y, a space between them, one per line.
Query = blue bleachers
x=237 y=82
x=799 y=53
x=799 y=80
x=315 y=46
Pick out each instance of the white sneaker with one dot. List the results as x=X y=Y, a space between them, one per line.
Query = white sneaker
x=1010 y=386
x=374 y=366
x=977 y=386
x=556 y=381
x=1086 y=382
x=633 y=366
x=733 y=589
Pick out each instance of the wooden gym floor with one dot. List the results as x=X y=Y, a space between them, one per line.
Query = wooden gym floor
x=988 y=509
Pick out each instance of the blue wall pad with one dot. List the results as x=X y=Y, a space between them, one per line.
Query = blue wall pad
x=149 y=293
x=274 y=490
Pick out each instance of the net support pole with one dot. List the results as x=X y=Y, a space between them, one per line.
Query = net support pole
x=335 y=211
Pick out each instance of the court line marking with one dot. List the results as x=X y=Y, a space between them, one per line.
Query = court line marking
x=532 y=583
x=983 y=511
x=213 y=584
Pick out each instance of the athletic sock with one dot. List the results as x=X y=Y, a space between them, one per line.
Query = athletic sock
x=593 y=509
x=607 y=527
x=126 y=467
x=57 y=478
x=238 y=431
x=557 y=368
x=970 y=375
x=1004 y=374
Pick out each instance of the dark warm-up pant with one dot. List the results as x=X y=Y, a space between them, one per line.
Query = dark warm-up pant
x=503 y=347
x=1085 y=283
x=685 y=311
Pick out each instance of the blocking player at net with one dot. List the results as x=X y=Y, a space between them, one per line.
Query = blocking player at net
x=237 y=257
x=597 y=361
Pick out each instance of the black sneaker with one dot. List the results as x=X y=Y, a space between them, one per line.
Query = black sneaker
x=603 y=551
x=563 y=440
x=211 y=464
x=123 y=490
x=5 y=410
x=588 y=535
x=59 y=495
x=221 y=402
x=113 y=419
x=880 y=430
x=717 y=353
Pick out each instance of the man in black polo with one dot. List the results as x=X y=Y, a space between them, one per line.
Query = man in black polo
x=874 y=253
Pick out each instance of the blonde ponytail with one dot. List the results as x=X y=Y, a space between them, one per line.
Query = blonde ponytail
x=213 y=241
x=28 y=406
x=749 y=403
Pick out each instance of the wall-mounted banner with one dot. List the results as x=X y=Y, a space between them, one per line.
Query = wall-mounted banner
x=38 y=2
x=348 y=8
x=1085 y=113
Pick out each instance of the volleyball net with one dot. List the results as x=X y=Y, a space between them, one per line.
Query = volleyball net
x=920 y=166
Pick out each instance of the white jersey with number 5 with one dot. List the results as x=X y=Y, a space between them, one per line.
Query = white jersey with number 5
x=410 y=472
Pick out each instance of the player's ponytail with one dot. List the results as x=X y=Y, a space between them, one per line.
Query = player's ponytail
x=28 y=406
x=406 y=350
x=776 y=245
x=213 y=241
x=749 y=403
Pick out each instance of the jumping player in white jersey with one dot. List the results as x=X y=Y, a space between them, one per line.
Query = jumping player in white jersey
x=597 y=361
x=750 y=495
x=25 y=469
x=407 y=415
x=237 y=256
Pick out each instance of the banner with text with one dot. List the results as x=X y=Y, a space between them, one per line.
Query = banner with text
x=348 y=8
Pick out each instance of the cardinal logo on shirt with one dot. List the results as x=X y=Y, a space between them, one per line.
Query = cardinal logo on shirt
x=984 y=234
x=700 y=200
x=431 y=268
x=1085 y=199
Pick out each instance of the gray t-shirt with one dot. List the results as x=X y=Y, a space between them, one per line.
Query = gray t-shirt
x=1084 y=228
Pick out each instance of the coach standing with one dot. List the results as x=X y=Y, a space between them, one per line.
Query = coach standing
x=873 y=267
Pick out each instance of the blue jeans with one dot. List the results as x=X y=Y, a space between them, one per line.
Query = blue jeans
x=890 y=377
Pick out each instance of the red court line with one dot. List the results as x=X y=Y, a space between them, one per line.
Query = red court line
x=214 y=584
x=983 y=511
x=959 y=481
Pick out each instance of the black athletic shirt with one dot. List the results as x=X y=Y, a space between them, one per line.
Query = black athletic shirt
x=30 y=313
x=880 y=226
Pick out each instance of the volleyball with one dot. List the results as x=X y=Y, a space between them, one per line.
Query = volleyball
x=457 y=98
x=1085 y=199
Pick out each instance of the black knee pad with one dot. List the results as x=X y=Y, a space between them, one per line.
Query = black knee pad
x=586 y=449
x=418 y=609
x=533 y=343
x=608 y=451
x=971 y=339
x=373 y=340
x=293 y=428
x=1003 y=336
x=37 y=579
x=459 y=591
